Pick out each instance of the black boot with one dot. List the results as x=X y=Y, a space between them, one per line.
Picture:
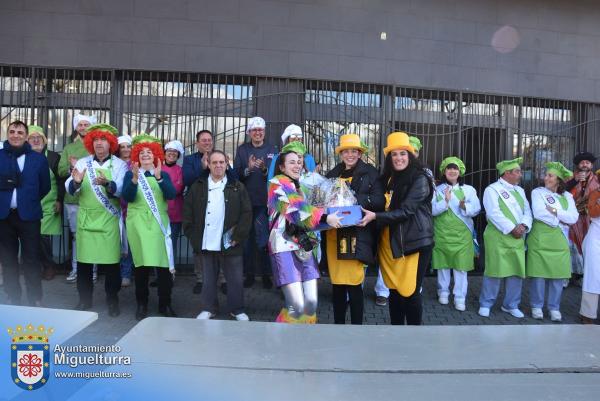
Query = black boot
x=249 y=281
x=83 y=305
x=267 y=283
x=113 y=306
x=141 y=312
x=167 y=311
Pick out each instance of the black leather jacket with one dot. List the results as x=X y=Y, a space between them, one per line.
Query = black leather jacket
x=409 y=215
x=369 y=193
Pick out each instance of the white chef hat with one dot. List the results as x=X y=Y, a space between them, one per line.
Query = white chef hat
x=255 y=122
x=82 y=117
x=291 y=130
x=175 y=145
x=124 y=139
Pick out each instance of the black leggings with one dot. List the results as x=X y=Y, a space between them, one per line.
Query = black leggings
x=164 y=281
x=341 y=293
x=85 y=284
x=409 y=310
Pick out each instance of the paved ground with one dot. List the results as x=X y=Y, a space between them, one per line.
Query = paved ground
x=264 y=305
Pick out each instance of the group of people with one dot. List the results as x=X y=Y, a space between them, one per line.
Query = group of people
x=123 y=200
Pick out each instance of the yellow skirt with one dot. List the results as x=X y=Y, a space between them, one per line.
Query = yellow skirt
x=346 y=272
x=398 y=274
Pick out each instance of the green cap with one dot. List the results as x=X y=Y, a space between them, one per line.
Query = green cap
x=509 y=165
x=453 y=160
x=558 y=170
x=144 y=138
x=295 y=146
x=35 y=128
x=415 y=142
x=102 y=128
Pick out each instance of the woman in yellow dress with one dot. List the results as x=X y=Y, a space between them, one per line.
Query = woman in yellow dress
x=406 y=240
x=349 y=249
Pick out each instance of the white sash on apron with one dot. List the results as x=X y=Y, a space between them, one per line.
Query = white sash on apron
x=510 y=201
x=550 y=199
x=104 y=201
x=149 y=197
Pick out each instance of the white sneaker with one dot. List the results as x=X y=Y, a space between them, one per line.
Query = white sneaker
x=205 y=315
x=241 y=317
x=443 y=299
x=459 y=305
x=537 y=313
x=514 y=312
x=484 y=312
x=555 y=316
x=125 y=282
x=72 y=277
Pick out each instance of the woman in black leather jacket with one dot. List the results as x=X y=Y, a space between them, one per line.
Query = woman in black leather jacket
x=349 y=249
x=406 y=239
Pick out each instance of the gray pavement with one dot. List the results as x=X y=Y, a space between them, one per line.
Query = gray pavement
x=264 y=305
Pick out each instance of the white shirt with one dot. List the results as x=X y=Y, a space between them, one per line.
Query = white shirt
x=495 y=216
x=13 y=200
x=541 y=197
x=215 y=215
x=117 y=167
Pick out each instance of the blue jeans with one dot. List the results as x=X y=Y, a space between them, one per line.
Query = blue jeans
x=255 y=249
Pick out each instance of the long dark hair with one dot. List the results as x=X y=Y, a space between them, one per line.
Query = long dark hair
x=280 y=161
x=388 y=167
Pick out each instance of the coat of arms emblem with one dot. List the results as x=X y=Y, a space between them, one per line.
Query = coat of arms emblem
x=30 y=356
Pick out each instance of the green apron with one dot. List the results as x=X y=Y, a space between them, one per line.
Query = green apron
x=146 y=240
x=504 y=254
x=98 y=234
x=548 y=254
x=453 y=241
x=51 y=221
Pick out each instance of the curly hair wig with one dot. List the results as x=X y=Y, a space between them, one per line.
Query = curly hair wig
x=155 y=148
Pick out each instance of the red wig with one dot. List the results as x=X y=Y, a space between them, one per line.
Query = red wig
x=155 y=148
x=88 y=141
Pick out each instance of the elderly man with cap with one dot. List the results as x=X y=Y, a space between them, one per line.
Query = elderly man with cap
x=583 y=183
x=24 y=182
x=173 y=152
x=70 y=154
x=97 y=180
x=509 y=220
x=293 y=133
x=52 y=203
x=252 y=161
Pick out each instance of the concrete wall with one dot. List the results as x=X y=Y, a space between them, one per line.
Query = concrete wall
x=430 y=43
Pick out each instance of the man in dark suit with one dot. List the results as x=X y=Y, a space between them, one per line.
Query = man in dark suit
x=24 y=181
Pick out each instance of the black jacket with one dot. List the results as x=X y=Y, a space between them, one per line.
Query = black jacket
x=409 y=215
x=53 y=159
x=238 y=214
x=369 y=193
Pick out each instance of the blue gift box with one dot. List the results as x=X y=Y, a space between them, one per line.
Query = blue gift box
x=351 y=216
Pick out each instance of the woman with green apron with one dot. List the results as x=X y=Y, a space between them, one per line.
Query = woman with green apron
x=454 y=205
x=51 y=223
x=548 y=255
x=147 y=189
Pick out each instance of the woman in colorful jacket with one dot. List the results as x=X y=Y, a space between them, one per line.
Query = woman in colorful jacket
x=349 y=249
x=291 y=243
x=406 y=240
x=454 y=205
x=548 y=255
x=147 y=189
